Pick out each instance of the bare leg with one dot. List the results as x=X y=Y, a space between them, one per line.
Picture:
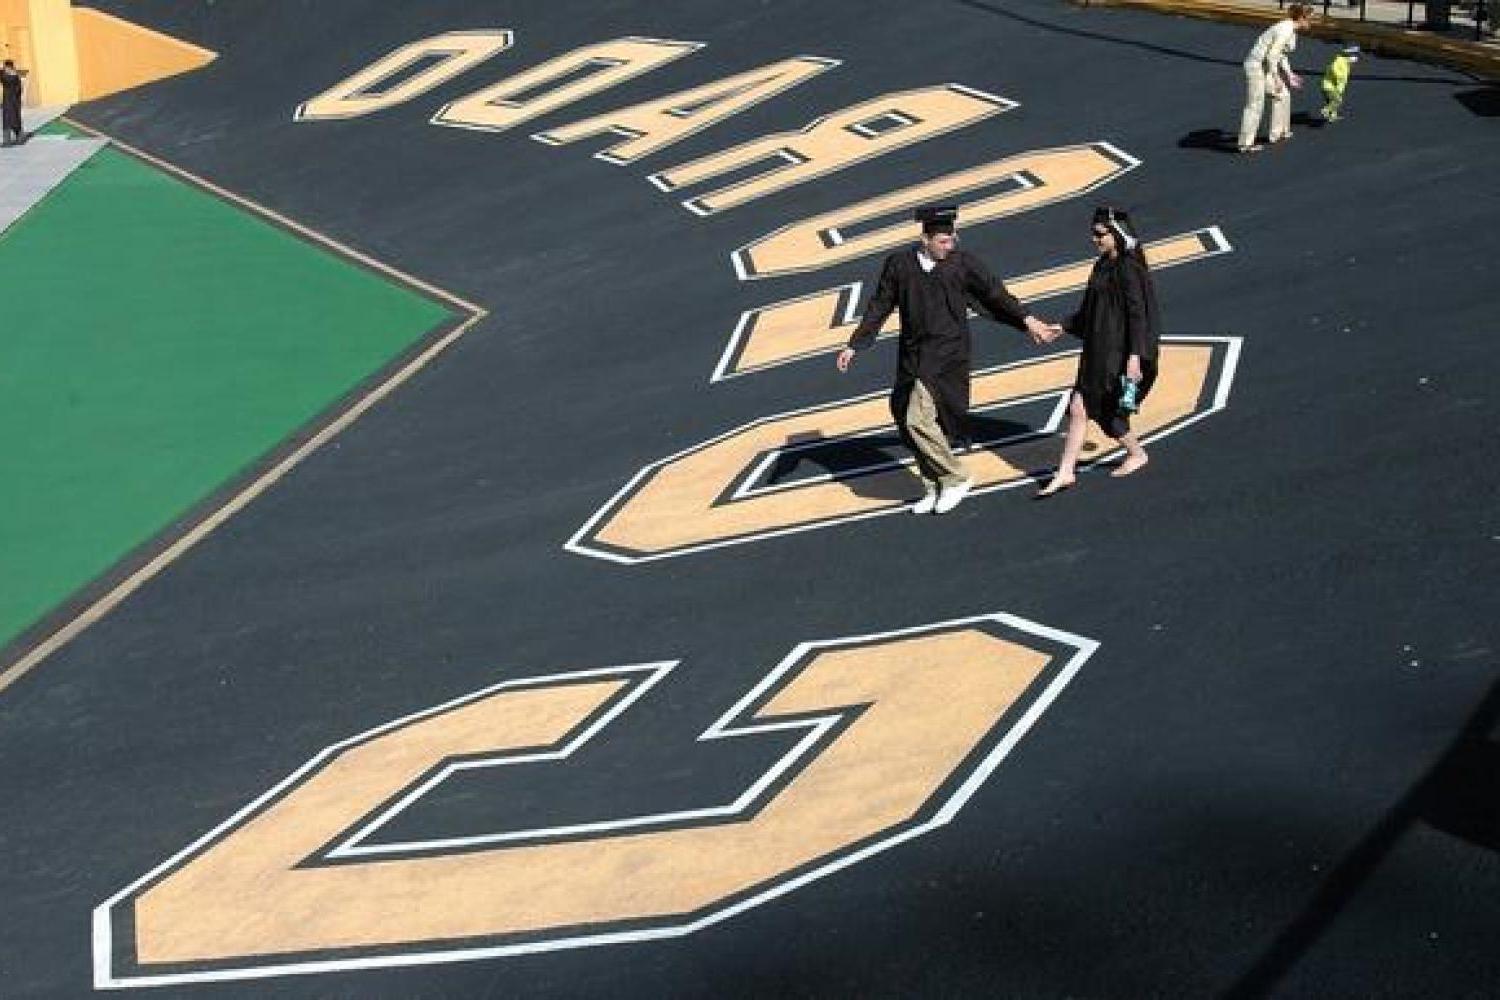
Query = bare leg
x=1135 y=456
x=1078 y=425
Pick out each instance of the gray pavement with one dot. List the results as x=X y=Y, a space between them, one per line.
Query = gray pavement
x=28 y=172
x=1275 y=775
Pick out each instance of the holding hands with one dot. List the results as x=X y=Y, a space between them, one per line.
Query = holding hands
x=1042 y=332
x=1039 y=331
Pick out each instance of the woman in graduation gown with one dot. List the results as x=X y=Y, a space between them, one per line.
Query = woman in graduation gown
x=1119 y=326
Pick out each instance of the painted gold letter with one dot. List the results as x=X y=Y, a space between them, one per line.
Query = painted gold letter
x=842 y=139
x=428 y=63
x=841 y=462
x=645 y=128
x=1015 y=184
x=560 y=81
x=894 y=731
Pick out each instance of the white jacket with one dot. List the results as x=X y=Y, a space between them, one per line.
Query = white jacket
x=1271 y=50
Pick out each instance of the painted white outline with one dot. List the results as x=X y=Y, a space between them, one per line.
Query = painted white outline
x=867 y=130
x=721 y=728
x=1212 y=236
x=848 y=314
x=626 y=134
x=790 y=157
x=835 y=235
x=592 y=65
x=688 y=47
x=577 y=546
x=508 y=36
x=739 y=256
x=1002 y=105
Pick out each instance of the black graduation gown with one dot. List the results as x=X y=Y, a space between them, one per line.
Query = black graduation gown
x=1117 y=318
x=10 y=101
x=935 y=343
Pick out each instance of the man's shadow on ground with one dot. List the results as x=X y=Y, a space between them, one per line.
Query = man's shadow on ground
x=809 y=455
x=846 y=459
x=1216 y=140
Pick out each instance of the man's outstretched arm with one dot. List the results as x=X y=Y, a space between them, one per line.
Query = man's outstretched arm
x=991 y=293
x=882 y=304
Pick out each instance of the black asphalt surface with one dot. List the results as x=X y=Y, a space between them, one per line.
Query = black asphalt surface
x=1277 y=774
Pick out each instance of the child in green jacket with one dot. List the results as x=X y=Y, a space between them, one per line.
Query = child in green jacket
x=1335 y=79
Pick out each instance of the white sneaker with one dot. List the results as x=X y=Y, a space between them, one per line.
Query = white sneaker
x=928 y=501
x=952 y=496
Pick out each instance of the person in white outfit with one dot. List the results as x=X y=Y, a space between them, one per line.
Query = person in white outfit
x=1268 y=73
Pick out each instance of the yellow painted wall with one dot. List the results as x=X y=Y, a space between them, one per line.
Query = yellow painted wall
x=79 y=54
x=54 y=75
x=115 y=55
x=15 y=38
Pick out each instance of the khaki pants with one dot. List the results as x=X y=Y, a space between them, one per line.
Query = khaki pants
x=935 y=459
x=1257 y=88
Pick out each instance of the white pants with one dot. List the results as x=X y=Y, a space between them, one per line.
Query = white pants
x=1257 y=88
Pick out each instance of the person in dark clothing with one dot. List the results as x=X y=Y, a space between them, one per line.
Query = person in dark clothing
x=10 y=102
x=1119 y=325
x=931 y=284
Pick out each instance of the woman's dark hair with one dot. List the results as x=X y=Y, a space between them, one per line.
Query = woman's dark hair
x=1117 y=221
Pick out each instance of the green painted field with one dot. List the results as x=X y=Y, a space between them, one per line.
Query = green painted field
x=156 y=342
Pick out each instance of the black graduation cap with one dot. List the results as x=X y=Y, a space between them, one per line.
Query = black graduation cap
x=936 y=218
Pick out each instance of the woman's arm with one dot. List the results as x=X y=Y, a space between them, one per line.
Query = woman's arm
x=1069 y=323
x=1138 y=332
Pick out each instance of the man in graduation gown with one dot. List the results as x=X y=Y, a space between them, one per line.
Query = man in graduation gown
x=931 y=285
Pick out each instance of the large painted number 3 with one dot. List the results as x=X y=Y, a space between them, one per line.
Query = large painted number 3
x=898 y=731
